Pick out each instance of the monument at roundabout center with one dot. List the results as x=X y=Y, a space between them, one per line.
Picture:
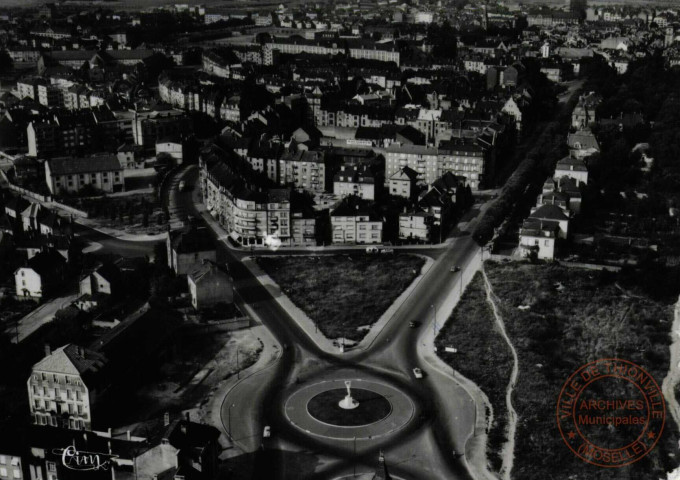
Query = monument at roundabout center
x=343 y=409
x=348 y=403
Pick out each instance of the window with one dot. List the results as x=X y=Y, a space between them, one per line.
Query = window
x=16 y=473
x=51 y=467
x=3 y=460
x=3 y=472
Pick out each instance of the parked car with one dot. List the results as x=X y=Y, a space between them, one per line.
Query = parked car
x=372 y=250
x=267 y=432
x=418 y=373
x=182 y=185
x=455 y=269
x=387 y=251
x=413 y=324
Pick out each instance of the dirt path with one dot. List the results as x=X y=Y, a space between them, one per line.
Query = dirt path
x=673 y=377
x=509 y=448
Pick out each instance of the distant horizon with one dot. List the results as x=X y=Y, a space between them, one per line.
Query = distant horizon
x=141 y=4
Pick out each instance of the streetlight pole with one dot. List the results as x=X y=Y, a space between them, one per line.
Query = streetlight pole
x=230 y=436
x=355 y=456
x=434 y=324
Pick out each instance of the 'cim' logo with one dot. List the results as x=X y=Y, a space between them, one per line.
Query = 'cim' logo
x=73 y=459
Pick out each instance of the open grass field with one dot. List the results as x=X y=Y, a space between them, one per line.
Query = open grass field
x=483 y=356
x=569 y=317
x=343 y=293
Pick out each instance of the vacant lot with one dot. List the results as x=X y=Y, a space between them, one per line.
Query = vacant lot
x=483 y=356
x=568 y=318
x=342 y=293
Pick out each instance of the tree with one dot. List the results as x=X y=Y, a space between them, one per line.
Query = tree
x=6 y=62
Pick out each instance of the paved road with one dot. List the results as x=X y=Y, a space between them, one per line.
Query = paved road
x=429 y=440
x=114 y=245
x=43 y=314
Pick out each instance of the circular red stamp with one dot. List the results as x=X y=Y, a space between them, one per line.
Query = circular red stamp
x=611 y=412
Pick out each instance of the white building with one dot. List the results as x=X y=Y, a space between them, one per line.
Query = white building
x=572 y=168
x=102 y=172
x=538 y=236
x=351 y=180
x=58 y=392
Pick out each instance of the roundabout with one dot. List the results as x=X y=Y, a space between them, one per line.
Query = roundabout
x=378 y=409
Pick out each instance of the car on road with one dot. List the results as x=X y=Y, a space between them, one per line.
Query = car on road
x=267 y=432
x=455 y=269
x=418 y=373
x=182 y=185
x=387 y=251
x=413 y=324
x=372 y=250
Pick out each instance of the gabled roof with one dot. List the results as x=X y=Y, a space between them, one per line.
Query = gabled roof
x=549 y=212
x=405 y=173
x=71 y=360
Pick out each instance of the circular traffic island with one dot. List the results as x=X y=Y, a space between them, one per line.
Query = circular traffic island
x=373 y=410
x=326 y=407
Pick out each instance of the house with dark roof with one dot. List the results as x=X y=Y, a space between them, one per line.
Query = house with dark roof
x=355 y=221
x=356 y=180
x=189 y=248
x=64 y=386
x=98 y=285
x=101 y=172
x=572 y=168
x=209 y=285
x=552 y=213
x=539 y=237
x=41 y=275
x=403 y=182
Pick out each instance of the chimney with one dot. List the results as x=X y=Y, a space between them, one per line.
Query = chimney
x=48 y=350
x=166 y=419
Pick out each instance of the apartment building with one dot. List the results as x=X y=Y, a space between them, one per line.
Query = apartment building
x=67 y=174
x=63 y=387
x=304 y=169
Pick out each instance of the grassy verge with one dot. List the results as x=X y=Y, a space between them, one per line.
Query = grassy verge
x=483 y=357
x=343 y=293
x=571 y=317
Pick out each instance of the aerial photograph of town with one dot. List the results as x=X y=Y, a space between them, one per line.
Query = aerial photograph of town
x=340 y=239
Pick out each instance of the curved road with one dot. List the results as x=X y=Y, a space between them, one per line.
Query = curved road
x=446 y=413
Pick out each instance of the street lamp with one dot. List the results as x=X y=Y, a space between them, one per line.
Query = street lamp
x=434 y=324
x=229 y=416
x=355 y=456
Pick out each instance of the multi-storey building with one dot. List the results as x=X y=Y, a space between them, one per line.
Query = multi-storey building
x=63 y=387
x=467 y=159
x=355 y=180
x=353 y=222
x=304 y=170
x=150 y=125
x=102 y=172
x=355 y=48
x=246 y=205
